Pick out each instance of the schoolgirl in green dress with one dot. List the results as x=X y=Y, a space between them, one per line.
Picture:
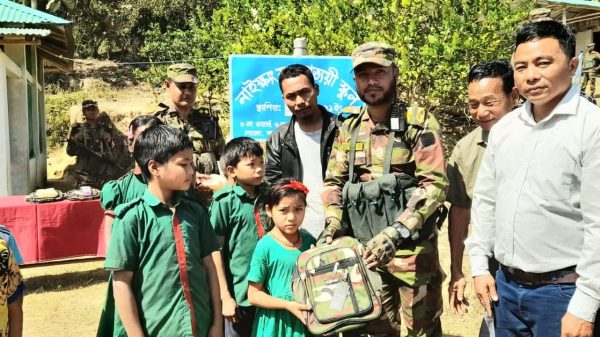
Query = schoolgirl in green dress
x=273 y=263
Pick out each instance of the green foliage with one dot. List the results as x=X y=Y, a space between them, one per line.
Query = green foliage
x=436 y=41
x=115 y=29
x=58 y=117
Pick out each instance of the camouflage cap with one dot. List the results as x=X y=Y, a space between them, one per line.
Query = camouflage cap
x=373 y=52
x=182 y=73
x=88 y=103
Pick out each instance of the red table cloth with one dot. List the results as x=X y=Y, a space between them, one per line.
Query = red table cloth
x=21 y=218
x=55 y=230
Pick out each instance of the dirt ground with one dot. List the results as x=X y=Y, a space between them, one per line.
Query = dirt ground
x=66 y=300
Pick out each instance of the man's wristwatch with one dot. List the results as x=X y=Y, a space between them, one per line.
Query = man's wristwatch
x=402 y=230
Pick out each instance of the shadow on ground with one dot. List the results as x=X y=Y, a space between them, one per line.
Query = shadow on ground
x=66 y=281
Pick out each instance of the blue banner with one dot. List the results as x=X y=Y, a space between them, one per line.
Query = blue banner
x=257 y=107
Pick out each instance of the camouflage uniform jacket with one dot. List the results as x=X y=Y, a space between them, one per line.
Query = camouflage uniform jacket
x=84 y=141
x=415 y=262
x=421 y=158
x=204 y=132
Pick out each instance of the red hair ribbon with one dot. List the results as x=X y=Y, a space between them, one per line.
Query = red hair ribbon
x=296 y=185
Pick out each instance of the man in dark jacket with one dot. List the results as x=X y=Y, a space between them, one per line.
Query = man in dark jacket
x=300 y=149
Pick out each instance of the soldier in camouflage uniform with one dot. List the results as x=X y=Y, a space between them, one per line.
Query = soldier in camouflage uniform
x=591 y=64
x=94 y=143
x=202 y=127
x=410 y=269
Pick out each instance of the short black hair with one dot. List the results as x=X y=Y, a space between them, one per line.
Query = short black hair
x=143 y=120
x=494 y=69
x=159 y=143
x=546 y=29
x=238 y=148
x=296 y=70
x=277 y=191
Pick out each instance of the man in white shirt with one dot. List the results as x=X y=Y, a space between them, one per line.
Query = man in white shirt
x=536 y=203
x=300 y=149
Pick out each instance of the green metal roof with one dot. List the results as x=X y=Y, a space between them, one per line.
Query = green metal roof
x=574 y=3
x=15 y=13
x=25 y=31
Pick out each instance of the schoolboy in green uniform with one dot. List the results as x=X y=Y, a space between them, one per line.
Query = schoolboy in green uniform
x=114 y=193
x=232 y=215
x=164 y=278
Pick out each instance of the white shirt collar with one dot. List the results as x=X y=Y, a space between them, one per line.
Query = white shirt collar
x=566 y=106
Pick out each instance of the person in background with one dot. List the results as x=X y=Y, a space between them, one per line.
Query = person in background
x=590 y=69
x=491 y=95
x=233 y=215
x=300 y=148
x=201 y=126
x=94 y=143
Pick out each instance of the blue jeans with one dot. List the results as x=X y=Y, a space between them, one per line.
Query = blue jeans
x=531 y=311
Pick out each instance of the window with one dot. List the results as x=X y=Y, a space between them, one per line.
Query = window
x=41 y=123
x=30 y=119
x=28 y=56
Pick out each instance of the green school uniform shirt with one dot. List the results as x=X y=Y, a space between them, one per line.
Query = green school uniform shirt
x=143 y=242
x=232 y=217
x=123 y=190
x=114 y=193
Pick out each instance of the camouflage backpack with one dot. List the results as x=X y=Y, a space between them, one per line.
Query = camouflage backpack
x=343 y=294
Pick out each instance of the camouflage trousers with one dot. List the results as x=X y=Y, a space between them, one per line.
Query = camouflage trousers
x=412 y=292
x=591 y=78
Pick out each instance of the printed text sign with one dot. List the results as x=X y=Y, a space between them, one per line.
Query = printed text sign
x=257 y=107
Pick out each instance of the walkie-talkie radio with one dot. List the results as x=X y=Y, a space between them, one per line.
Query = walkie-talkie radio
x=398 y=116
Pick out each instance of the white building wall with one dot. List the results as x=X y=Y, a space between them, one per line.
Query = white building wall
x=582 y=39
x=23 y=172
x=18 y=124
x=9 y=71
x=4 y=138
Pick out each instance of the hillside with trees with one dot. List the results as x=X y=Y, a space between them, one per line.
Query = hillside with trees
x=437 y=41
